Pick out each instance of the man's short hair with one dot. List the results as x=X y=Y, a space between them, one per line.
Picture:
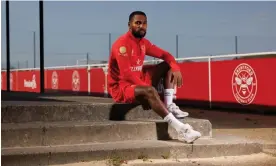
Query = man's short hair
x=136 y=13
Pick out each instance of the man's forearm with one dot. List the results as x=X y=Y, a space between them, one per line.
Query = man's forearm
x=157 y=52
x=167 y=57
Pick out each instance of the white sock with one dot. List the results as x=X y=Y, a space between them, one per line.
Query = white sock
x=175 y=123
x=168 y=96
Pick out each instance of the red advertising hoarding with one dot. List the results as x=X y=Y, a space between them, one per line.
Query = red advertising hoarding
x=66 y=80
x=27 y=81
x=97 y=81
x=195 y=82
x=241 y=82
x=244 y=81
x=13 y=81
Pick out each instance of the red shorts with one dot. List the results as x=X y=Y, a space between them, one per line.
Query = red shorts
x=124 y=91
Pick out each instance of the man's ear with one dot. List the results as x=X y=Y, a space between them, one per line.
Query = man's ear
x=128 y=24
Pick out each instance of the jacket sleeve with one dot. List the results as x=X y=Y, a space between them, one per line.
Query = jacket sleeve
x=155 y=51
x=121 y=51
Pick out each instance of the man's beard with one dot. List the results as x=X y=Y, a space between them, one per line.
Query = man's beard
x=137 y=34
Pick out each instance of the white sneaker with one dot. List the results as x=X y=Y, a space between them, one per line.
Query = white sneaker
x=174 y=109
x=188 y=134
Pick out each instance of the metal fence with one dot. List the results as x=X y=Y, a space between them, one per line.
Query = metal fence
x=63 y=49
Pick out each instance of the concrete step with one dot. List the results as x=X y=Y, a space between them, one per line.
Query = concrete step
x=270 y=149
x=271 y=152
x=127 y=150
x=258 y=159
x=59 y=133
x=50 y=112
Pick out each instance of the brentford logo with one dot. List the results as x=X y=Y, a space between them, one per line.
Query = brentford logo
x=54 y=80
x=75 y=81
x=244 y=84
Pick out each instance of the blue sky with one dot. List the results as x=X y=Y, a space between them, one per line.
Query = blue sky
x=74 y=28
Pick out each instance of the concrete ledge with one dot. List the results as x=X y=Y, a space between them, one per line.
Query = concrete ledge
x=74 y=112
x=60 y=133
x=127 y=150
x=258 y=159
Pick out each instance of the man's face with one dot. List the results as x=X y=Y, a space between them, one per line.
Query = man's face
x=138 y=26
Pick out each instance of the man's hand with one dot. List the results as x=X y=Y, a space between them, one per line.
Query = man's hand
x=176 y=78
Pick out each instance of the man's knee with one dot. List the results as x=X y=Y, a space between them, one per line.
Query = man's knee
x=165 y=69
x=149 y=92
x=169 y=73
x=165 y=66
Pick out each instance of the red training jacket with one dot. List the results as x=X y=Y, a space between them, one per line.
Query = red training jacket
x=127 y=59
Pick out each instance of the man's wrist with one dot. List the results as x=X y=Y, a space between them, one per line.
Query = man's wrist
x=174 y=67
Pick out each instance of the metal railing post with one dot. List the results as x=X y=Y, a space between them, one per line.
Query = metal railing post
x=105 y=81
x=8 y=44
x=209 y=81
x=89 y=81
x=41 y=35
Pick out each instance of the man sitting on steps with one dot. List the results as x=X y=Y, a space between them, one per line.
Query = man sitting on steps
x=130 y=82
